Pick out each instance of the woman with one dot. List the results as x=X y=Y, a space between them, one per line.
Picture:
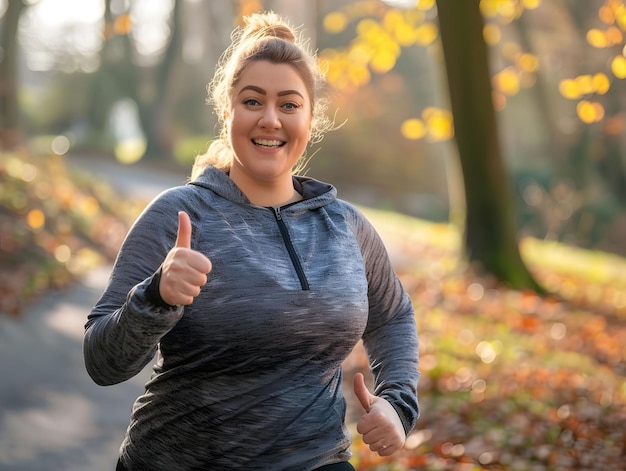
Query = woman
x=252 y=285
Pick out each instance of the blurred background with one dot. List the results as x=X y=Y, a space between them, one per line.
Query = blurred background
x=103 y=104
x=128 y=78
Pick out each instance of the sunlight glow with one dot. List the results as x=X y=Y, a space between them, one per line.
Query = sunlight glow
x=401 y=3
x=151 y=28
x=68 y=34
x=63 y=12
x=62 y=33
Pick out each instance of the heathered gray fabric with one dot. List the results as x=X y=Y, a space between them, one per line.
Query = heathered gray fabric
x=249 y=375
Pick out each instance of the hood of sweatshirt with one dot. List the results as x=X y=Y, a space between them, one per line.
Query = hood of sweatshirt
x=314 y=193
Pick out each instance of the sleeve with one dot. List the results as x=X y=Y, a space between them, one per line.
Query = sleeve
x=125 y=326
x=390 y=338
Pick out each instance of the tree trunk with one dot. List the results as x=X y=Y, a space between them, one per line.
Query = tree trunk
x=106 y=90
x=152 y=111
x=10 y=122
x=490 y=229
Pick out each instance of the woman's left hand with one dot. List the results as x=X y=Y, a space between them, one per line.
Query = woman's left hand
x=381 y=427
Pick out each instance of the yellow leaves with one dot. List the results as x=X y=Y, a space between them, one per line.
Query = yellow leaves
x=436 y=124
x=589 y=112
x=335 y=22
x=582 y=85
x=510 y=80
x=426 y=34
x=602 y=39
x=439 y=123
x=378 y=43
x=507 y=81
x=425 y=5
x=618 y=67
x=601 y=83
x=569 y=89
x=347 y=70
x=413 y=129
x=528 y=62
x=613 y=14
x=383 y=61
x=531 y=4
x=506 y=10
x=492 y=34
x=401 y=30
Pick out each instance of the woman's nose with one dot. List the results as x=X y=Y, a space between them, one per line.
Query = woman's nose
x=270 y=119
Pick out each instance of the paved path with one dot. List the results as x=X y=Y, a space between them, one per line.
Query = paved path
x=52 y=416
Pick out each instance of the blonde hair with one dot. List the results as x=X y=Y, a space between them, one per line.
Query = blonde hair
x=263 y=37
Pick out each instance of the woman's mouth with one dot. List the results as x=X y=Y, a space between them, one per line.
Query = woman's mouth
x=268 y=143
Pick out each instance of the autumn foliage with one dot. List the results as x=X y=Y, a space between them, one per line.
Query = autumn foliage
x=510 y=380
x=56 y=225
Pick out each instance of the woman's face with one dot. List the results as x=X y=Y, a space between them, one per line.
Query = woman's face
x=270 y=122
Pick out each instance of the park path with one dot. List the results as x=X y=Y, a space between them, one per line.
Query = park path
x=52 y=416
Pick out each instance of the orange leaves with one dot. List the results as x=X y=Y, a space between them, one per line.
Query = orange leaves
x=54 y=227
x=122 y=25
x=35 y=219
x=514 y=381
x=247 y=7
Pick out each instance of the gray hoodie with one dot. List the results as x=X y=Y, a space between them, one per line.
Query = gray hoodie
x=249 y=375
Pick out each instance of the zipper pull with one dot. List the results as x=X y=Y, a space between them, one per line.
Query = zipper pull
x=277 y=213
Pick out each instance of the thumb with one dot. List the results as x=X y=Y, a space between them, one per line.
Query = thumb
x=361 y=392
x=183 y=237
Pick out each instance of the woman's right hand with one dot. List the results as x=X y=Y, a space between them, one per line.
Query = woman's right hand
x=184 y=270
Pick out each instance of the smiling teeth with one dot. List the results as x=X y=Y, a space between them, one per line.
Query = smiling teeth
x=268 y=142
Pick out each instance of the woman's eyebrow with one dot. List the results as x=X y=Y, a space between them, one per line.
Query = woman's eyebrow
x=260 y=91
x=253 y=88
x=290 y=92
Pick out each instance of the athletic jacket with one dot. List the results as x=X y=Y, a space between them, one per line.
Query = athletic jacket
x=249 y=375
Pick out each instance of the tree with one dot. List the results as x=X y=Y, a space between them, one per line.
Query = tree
x=10 y=129
x=490 y=229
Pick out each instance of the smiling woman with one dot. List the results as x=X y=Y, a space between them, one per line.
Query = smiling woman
x=253 y=284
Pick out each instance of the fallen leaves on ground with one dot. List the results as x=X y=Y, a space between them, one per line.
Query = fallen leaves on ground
x=511 y=380
x=56 y=225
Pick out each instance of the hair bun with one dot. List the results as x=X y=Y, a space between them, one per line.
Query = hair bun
x=269 y=24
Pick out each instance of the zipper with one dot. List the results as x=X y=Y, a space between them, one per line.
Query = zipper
x=304 y=283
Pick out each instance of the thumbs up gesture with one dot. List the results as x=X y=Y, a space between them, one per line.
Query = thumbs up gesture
x=184 y=270
x=380 y=426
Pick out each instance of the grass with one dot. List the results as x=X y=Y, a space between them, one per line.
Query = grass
x=510 y=381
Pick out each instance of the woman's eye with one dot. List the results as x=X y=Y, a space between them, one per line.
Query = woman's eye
x=291 y=106
x=251 y=102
